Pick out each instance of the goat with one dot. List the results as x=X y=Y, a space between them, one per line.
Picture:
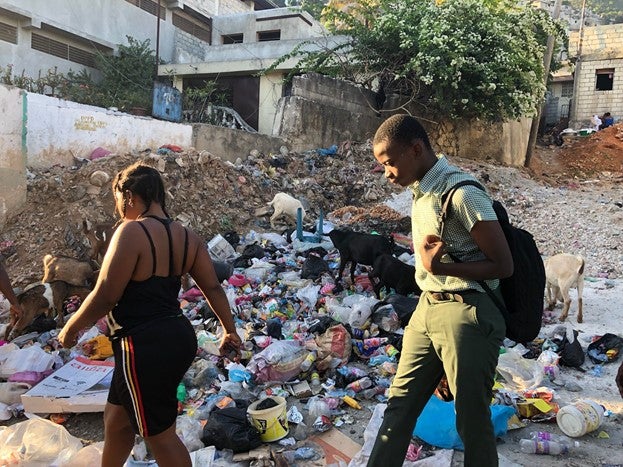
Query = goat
x=285 y=205
x=47 y=298
x=563 y=271
x=70 y=270
x=390 y=273
x=99 y=236
x=356 y=247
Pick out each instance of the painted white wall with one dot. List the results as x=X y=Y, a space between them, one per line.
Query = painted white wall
x=12 y=158
x=58 y=129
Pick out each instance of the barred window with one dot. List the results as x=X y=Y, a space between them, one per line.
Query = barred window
x=8 y=33
x=566 y=90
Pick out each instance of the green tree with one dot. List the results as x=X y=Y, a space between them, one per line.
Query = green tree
x=460 y=58
x=128 y=76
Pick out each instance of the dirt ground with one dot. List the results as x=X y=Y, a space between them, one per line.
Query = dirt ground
x=212 y=197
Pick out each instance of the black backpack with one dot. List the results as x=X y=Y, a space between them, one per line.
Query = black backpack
x=523 y=292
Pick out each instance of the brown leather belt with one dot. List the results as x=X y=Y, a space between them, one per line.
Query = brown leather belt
x=452 y=296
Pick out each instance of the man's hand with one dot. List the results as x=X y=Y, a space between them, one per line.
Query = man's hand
x=431 y=250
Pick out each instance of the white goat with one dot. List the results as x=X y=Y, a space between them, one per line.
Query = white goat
x=285 y=205
x=562 y=272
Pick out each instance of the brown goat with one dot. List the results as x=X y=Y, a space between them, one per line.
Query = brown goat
x=99 y=236
x=48 y=299
x=70 y=270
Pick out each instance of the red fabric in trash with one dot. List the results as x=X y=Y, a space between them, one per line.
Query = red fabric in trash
x=172 y=147
x=98 y=153
x=238 y=280
x=191 y=294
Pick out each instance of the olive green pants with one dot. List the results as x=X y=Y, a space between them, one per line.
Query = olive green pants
x=458 y=335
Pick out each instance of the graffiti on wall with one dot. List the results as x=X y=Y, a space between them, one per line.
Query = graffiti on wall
x=88 y=123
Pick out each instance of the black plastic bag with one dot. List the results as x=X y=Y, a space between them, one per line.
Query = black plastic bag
x=598 y=350
x=571 y=353
x=314 y=267
x=229 y=428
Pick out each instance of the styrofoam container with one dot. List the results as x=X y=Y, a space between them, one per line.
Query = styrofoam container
x=579 y=418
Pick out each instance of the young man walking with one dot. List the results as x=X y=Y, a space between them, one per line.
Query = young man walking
x=456 y=328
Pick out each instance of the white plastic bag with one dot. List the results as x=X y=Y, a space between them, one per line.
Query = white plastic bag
x=309 y=295
x=32 y=358
x=37 y=440
x=519 y=373
x=189 y=431
x=89 y=455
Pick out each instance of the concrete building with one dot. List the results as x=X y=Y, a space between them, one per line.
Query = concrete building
x=37 y=35
x=242 y=45
x=598 y=76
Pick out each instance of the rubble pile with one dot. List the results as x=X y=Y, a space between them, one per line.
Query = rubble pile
x=587 y=156
x=207 y=194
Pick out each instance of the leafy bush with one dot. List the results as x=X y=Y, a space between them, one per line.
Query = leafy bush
x=460 y=58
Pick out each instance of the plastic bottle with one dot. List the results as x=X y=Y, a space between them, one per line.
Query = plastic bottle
x=181 y=392
x=533 y=446
x=547 y=436
x=315 y=380
x=371 y=392
x=351 y=402
x=360 y=384
x=309 y=360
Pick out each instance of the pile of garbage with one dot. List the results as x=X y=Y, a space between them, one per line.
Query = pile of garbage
x=316 y=351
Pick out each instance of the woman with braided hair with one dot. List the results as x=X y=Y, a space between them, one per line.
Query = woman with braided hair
x=153 y=343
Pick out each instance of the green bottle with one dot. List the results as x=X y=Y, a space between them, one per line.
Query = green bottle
x=181 y=392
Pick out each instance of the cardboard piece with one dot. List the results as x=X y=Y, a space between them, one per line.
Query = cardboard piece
x=337 y=447
x=72 y=388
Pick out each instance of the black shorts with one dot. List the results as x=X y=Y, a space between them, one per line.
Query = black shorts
x=149 y=366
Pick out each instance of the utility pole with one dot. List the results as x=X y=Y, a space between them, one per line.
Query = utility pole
x=157 y=43
x=547 y=60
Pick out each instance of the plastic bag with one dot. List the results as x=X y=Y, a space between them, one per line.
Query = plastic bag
x=189 y=431
x=229 y=429
x=280 y=361
x=437 y=423
x=336 y=310
x=606 y=349
x=10 y=393
x=518 y=372
x=309 y=295
x=386 y=317
x=32 y=358
x=336 y=342
x=361 y=311
x=37 y=440
x=90 y=455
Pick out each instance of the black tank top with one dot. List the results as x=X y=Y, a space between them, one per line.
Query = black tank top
x=150 y=300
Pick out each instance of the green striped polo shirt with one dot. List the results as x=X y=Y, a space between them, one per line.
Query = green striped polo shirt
x=470 y=204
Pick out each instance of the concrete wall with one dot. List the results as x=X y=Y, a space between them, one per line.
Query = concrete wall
x=12 y=156
x=217 y=7
x=271 y=90
x=292 y=24
x=323 y=111
x=57 y=129
x=231 y=144
x=601 y=47
x=506 y=143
